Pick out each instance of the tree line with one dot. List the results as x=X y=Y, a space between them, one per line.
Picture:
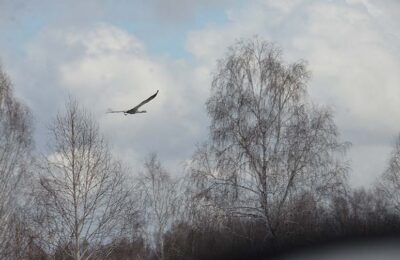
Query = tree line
x=272 y=176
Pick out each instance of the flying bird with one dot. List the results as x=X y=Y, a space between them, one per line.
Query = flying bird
x=135 y=110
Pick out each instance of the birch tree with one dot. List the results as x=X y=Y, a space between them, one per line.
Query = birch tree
x=81 y=194
x=268 y=142
x=162 y=200
x=15 y=158
x=389 y=184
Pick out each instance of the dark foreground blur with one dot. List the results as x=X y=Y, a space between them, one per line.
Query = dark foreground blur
x=384 y=248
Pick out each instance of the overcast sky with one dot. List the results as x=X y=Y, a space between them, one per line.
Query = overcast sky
x=113 y=54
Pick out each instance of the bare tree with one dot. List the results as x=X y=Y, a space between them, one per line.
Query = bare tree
x=81 y=193
x=161 y=196
x=15 y=157
x=268 y=142
x=389 y=184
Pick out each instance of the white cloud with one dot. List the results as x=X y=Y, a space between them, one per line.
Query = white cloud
x=105 y=39
x=351 y=58
x=372 y=9
x=105 y=67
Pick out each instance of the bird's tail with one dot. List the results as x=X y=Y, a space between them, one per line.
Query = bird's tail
x=114 y=111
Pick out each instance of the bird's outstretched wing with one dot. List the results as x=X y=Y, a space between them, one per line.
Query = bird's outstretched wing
x=143 y=102
x=113 y=111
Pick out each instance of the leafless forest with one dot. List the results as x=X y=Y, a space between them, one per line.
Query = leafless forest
x=272 y=176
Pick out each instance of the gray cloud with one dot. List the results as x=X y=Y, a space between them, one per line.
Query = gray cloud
x=183 y=10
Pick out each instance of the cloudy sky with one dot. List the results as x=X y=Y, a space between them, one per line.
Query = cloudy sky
x=112 y=54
